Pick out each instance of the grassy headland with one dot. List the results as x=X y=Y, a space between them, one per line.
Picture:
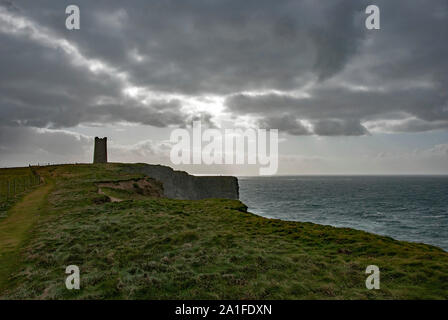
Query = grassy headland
x=157 y=248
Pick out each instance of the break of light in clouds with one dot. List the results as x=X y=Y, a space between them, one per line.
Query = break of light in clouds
x=345 y=99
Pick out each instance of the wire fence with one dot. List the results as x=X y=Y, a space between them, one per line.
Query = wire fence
x=10 y=187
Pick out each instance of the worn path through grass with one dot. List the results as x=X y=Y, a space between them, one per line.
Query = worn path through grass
x=14 y=229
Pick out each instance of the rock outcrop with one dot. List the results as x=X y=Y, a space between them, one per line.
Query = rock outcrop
x=181 y=185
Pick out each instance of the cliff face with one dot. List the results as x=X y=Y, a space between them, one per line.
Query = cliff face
x=181 y=185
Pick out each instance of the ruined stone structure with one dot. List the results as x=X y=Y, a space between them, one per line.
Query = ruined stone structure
x=181 y=185
x=100 y=150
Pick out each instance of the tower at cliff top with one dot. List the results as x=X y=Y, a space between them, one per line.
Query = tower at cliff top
x=100 y=150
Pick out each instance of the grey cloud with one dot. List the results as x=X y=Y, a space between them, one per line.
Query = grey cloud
x=41 y=87
x=410 y=125
x=29 y=145
x=143 y=151
x=348 y=107
x=9 y=5
x=396 y=73
x=33 y=145
x=332 y=100
x=159 y=113
x=228 y=47
x=325 y=127
x=284 y=123
x=198 y=47
x=339 y=127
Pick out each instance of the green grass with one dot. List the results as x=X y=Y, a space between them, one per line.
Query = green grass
x=19 y=179
x=15 y=229
x=207 y=249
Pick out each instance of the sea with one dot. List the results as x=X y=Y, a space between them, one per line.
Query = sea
x=411 y=208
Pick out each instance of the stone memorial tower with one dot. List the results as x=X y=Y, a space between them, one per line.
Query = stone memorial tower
x=100 y=150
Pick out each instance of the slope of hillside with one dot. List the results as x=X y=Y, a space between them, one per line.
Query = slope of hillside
x=14 y=184
x=160 y=248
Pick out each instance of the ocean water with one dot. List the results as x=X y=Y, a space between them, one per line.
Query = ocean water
x=411 y=208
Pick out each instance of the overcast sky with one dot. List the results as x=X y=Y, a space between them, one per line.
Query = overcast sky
x=345 y=99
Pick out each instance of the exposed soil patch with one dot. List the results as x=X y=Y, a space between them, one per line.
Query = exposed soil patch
x=147 y=187
x=111 y=199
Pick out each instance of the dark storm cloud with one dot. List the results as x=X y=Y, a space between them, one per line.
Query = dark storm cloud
x=285 y=123
x=400 y=72
x=230 y=47
x=348 y=107
x=199 y=47
x=41 y=87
